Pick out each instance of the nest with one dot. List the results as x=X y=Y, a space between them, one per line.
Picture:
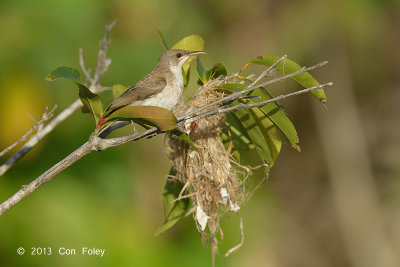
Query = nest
x=209 y=174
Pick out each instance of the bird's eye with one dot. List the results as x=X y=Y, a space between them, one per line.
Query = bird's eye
x=178 y=55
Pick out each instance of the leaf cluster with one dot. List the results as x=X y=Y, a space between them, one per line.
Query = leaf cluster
x=261 y=129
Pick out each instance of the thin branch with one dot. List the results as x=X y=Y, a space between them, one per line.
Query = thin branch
x=267 y=71
x=45 y=116
x=95 y=143
x=102 y=61
x=222 y=110
x=83 y=68
x=251 y=88
x=102 y=66
x=35 y=139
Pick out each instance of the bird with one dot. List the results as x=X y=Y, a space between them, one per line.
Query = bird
x=162 y=87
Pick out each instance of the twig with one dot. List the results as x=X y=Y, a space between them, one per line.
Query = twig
x=45 y=116
x=102 y=61
x=95 y=143
x=251 y=88
x=102 y=66
x=83 y=68
x=267 y=71
x=222 y=110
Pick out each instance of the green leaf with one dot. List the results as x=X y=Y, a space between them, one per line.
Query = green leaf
x=65 y=73
x=288 y=66
x=218 y=70
x=91 y=101
x=192 y=43
x=279 y=118
x=273 y=111
x=162 y=118
x=207 y=74
x=162 y=40
x=255 y=134
x=184 y=137
x=238 y=132
x=269 y=132
x=118 y=90
x=173 y=211
x=202 y=71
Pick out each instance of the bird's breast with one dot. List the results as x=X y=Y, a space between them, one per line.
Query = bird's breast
x=170 y=95
x=167 y=98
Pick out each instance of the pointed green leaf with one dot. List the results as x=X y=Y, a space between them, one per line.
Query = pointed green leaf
x=202 y=71
x=162 y=118
x=162 y=40
x=207 y=74
x=118 y=89
x=279 y=118
x=273 y=111
x=232 y=87
x=90 y=100
x=288 y=66
x=238 y=132
x=218 y=70
x=192 y=43
x=255 y=134
x=173 y=210
x=269 y=132
x=65 y=73
x=184 y=137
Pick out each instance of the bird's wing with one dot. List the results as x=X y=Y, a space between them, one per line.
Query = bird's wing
x=144 y=89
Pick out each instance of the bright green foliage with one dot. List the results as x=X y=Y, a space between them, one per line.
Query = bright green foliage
x=246 y=129
x=288 y=66
x=207 y=74
x=162 y=118
x=239 y=134
x=64 y=73
x=162 y=40
x=91 y=101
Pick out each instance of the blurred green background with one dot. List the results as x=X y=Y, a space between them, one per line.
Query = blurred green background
x=337 y=203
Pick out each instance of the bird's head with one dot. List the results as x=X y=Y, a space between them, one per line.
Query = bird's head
x=175 y=58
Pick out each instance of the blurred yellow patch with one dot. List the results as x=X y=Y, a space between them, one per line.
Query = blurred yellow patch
x=20 y=96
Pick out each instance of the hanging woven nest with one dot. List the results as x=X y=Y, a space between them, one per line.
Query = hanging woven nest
x=208 y=173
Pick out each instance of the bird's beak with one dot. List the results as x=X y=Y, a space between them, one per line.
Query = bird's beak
x=195 y=53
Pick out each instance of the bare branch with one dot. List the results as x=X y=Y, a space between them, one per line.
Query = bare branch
x=82 y=64
x=267 y=71
x=95 y=143
x=35 y=139
x=102 y=61
x=38 y=123
x=101 y=67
